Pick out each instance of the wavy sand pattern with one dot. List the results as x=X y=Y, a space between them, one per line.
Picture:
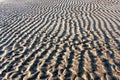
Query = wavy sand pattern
x=59 y=40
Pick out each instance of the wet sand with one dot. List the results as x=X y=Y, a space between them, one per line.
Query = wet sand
x=59 y=39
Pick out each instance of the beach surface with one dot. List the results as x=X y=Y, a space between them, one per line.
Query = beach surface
x=59 y=39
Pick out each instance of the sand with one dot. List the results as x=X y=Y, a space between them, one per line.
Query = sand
x=59 y=40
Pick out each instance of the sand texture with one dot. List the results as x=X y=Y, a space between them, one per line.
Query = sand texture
x=59 y=39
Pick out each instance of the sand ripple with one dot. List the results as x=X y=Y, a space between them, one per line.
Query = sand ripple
x=60 y=40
